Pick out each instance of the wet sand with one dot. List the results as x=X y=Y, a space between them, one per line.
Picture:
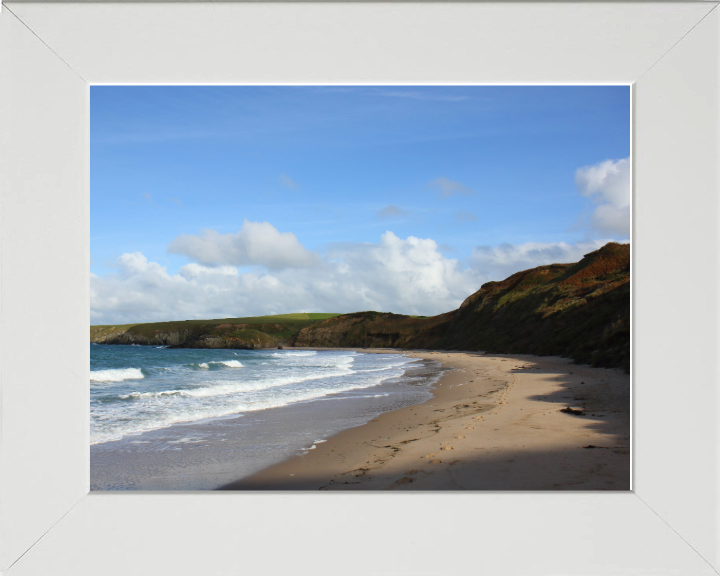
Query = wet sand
x=495 y=422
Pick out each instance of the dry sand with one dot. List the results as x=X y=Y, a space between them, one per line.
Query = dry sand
x=494 y=423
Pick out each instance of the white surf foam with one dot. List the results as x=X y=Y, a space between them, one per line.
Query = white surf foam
x=217 y=363
x=116 y=375
x=218 y=389
x=230 y=363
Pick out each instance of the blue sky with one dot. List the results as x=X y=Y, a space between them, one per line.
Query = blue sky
x=253 y=200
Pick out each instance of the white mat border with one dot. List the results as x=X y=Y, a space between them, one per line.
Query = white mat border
x=51 y=53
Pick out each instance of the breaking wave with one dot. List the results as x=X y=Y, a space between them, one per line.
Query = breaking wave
x=116 y=375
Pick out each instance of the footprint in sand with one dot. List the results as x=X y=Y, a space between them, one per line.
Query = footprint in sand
x=447 y=448
x=459 y=436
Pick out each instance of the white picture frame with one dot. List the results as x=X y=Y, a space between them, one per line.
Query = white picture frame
x=50 y=53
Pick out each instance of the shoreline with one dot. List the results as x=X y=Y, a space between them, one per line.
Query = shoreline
x=211 y=452
x=494 y=422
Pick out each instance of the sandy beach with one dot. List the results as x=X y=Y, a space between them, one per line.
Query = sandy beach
x=495 y=422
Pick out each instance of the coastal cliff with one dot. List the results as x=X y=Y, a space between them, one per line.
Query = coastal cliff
x=579 y=310
x=234 y=333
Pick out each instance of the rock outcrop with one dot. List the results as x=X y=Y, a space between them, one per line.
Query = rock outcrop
x=247 y=339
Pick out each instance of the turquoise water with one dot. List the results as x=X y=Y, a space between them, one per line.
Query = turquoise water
x=135 y=389
x=185 y=419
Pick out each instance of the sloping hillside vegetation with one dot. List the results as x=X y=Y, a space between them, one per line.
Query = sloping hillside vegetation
x=367 y=330
x=579 y=310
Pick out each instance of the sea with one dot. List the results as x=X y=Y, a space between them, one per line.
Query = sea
x=197 y=419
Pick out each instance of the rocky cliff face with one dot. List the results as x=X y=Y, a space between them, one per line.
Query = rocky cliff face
x=234 y=336
x=580 y=310
x=170 y=338
x=247 y=339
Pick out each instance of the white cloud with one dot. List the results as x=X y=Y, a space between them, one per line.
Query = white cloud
x=192 y=271
x=497 y=263
x=256 y=243
x=408 y=276
x=448 y=187
x=608 y=185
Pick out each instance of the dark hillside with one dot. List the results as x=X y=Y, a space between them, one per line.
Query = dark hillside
x=577 y=310
x=580 y=310
x=367 y=330
x=238 y=333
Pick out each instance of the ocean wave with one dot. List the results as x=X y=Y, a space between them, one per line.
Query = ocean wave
x=228 y=387
x=107 y=427
x=215 y=365
x=229 y=363
x=220 y=388
x=116 y=375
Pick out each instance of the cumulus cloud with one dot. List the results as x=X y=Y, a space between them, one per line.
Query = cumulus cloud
x=497 y=263
x=193 y=271
x=403 y=275
x=391 y=211
x=256 y=243
x=447 y=187
x=408 y=276
x=607 y=184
